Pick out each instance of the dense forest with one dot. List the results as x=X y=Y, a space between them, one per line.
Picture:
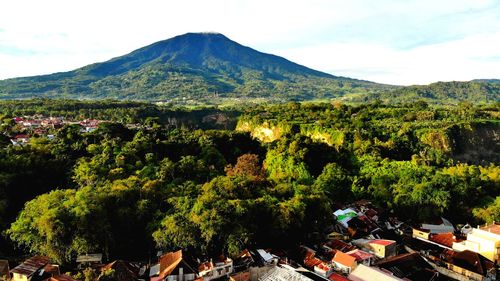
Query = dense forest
x=173 y=180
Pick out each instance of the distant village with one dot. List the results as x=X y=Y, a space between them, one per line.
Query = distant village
x=364 y=244
x=43 y=126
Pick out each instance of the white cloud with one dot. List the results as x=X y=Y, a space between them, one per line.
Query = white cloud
x=377 y=40
x=454 y=60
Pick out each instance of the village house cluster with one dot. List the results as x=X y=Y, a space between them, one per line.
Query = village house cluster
x=364 y=244
x=42 y=126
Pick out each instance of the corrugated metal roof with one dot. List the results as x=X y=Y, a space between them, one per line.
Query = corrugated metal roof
x=89 y=258
x=31 y=265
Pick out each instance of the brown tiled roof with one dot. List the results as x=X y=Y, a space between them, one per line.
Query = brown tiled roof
x=472 y=261
x=340 y=245
x=344 y=259
x=31 y=265
x=493 y=228
x=169 y=262
x=445 y=239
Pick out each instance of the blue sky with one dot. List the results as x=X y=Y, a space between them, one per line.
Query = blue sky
x=389 y=41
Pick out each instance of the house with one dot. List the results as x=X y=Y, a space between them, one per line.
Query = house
x=29 y=268
x=62 y=277
x=472 y=265
x=20 y=139
x=172 y=267
x=411 y=266
x=122 y=270
x=266 y=257
x=358 y=228
x=366 y=273
x=243 y=261
x=221 y=268
x=324 y=269
x=381 y=248
x=344 y=262
x=484 y=240
x=4 y=270
x=344 y=216
x=362 y=257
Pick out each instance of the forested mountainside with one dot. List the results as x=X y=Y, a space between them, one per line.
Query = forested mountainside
x=191 y=68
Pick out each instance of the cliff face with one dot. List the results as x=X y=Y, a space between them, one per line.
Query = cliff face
x=467 y=142
x=268 y=132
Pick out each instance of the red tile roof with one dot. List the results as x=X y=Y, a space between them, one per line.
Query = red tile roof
x=360 y=255
x=344 y=259
x=312 y=262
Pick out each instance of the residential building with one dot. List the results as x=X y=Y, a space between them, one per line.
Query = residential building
x=210 y=270
x=484 y=240
x=381 y=248
x=172 y=267
x=29 y=268
x=362 y=257
x=410 y=265
x=344 y=262
x=470 y=265
x=324 y=269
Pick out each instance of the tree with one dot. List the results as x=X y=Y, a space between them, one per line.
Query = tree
x=247 y=165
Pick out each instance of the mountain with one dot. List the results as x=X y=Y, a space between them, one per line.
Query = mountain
x=200 y=67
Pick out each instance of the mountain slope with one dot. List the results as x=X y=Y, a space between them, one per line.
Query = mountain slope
x=476 y=91
x=198 y=66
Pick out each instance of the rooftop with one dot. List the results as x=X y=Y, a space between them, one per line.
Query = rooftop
x=382 y=242
x=344 y=259
x=493 y=228
x=281 y=274
x=31 y=265
x=360 y=255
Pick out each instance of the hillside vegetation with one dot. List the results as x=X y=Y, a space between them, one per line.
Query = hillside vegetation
x=159 y=186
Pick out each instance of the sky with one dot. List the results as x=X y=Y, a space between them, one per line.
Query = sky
x=400 y=42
